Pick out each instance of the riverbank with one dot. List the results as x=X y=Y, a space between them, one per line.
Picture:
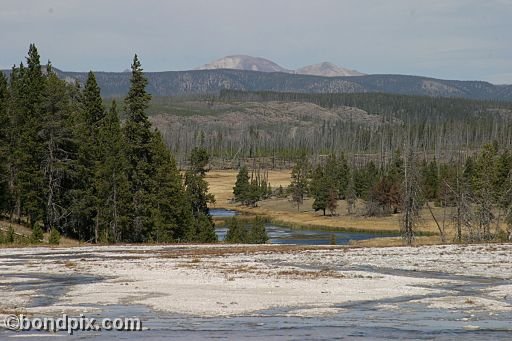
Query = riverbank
x=222 y=280
x=282 y=212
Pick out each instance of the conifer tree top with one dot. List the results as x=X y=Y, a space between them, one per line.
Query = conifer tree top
x=33 y=59
x=138 y=98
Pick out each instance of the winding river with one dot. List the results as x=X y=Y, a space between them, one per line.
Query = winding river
x=285 y=235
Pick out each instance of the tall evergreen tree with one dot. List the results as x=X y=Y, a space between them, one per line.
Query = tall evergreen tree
x=58 y=156
x=87 y=206
x=4 y=143
x=111 y=181
x=337 y=172
x=430 y=180
x=486 y=193
x=257 y=233
x=320 y=188
x=29 y=145
x=197 y=187
x=365 y=179
x=13 y=137
x=172 y=212
x=139 y=139
x=242 y=185
x=197 y=190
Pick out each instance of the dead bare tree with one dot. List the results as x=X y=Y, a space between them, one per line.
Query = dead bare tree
x=411 y=203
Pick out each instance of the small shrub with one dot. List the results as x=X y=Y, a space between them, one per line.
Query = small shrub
x=281 y=193
x=54 y=238
x=246 y=232
x=237 y=233
x=11 y=236
x=37 y=234
x=502 y=236
x=70 y=264
x=257 y=233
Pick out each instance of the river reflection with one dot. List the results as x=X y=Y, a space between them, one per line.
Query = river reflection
x=285 y=235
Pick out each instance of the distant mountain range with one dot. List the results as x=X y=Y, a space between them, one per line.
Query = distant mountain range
x=327 y=69
x=248 y=63
x=224 y=75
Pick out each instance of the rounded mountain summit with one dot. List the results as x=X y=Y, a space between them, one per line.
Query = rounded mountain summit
x=249 y=63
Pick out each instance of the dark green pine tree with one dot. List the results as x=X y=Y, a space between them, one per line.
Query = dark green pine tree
x=111 y=181
x=14 y=154
x=29 y=148
x=320 y=188
x=430 y=180
x=4 y=143
x=59 y=152
x=197 y=190
x=504 y=172
x=237 y=232
x=204 y=231
x=139 y=140
x=338 y=173
x=364 y=179
x=87 y=206
x=254 y=193
x=257 y=233
x=242 y=185
x=172 y=212
x=396 y=168
x=485 y=190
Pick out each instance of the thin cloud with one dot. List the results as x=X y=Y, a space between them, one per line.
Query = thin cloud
x=460 y=39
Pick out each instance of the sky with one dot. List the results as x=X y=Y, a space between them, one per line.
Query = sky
x=448 y=39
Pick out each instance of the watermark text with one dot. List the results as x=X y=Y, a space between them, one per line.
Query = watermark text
x=71 y=324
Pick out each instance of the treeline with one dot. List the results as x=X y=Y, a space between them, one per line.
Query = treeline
x=67 y=164
x=479 y=191
x=400 y=106
x=440 y=128
x=474 y=195
x=250 y=190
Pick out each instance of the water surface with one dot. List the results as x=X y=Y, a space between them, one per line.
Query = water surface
x=286 y=235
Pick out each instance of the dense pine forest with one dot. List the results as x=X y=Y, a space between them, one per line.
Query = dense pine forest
x=68 y=165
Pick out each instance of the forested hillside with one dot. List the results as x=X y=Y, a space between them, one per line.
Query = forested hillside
x=370 y=126
x=178 y=83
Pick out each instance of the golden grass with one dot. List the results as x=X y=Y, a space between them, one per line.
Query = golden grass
x=221 y=183
x=70 y=264
x=282 y=211
x=22 y=230
x=394 y=241
x=197 y=253
x=309 y=274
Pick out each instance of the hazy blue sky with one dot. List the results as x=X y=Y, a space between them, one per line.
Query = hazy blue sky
x=453 y=39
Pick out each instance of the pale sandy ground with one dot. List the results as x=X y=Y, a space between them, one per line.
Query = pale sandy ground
x=232 y=280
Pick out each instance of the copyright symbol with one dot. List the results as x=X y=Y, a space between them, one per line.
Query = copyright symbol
x=12 y=322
